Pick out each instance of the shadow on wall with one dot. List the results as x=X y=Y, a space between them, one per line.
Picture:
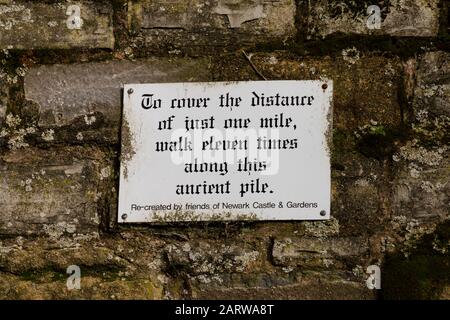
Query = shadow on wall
x=424 y=273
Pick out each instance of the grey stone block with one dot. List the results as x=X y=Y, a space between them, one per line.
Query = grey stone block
x=87 y=96
x=432 y=90
x=422 y=188
x=51 y=192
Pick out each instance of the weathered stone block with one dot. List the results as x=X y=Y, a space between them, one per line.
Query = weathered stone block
x=295 y=286
x=39 y=25
x=365 y=99
x=51 y=192
x=3 y=100
x=358 y=204
x=83 y=101
x=197 y=26
x=417 y=18
x=316 y=252
x=432 y=90
x=45 y=288
x=421 y=188
x=365 y=87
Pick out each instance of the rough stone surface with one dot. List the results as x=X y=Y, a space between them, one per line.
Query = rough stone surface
x=358 y=81
x=288 y=286
x=88 y=96
x=44 y=25
x=432 y=89
x=445 y=294
x=419 y=18
x=220 y=25
x=51 y=192
x=422 y=189
x=212 y=258
x=3 y=101
x=316 y=252
x=152 y=264
x=59 y=147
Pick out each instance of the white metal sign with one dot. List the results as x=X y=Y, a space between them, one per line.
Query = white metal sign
x=226 y=150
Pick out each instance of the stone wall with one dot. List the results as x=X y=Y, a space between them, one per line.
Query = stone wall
x=60 y=111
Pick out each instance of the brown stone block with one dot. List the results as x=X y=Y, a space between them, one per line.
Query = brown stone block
x=38 y=25
x=197 y=27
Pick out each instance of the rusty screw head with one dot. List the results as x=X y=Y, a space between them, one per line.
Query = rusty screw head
x=323 y=213
x=124 y=216
x=324 y=86
x=130 y=91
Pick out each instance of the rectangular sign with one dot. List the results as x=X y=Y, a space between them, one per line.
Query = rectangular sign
x=256 y=150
